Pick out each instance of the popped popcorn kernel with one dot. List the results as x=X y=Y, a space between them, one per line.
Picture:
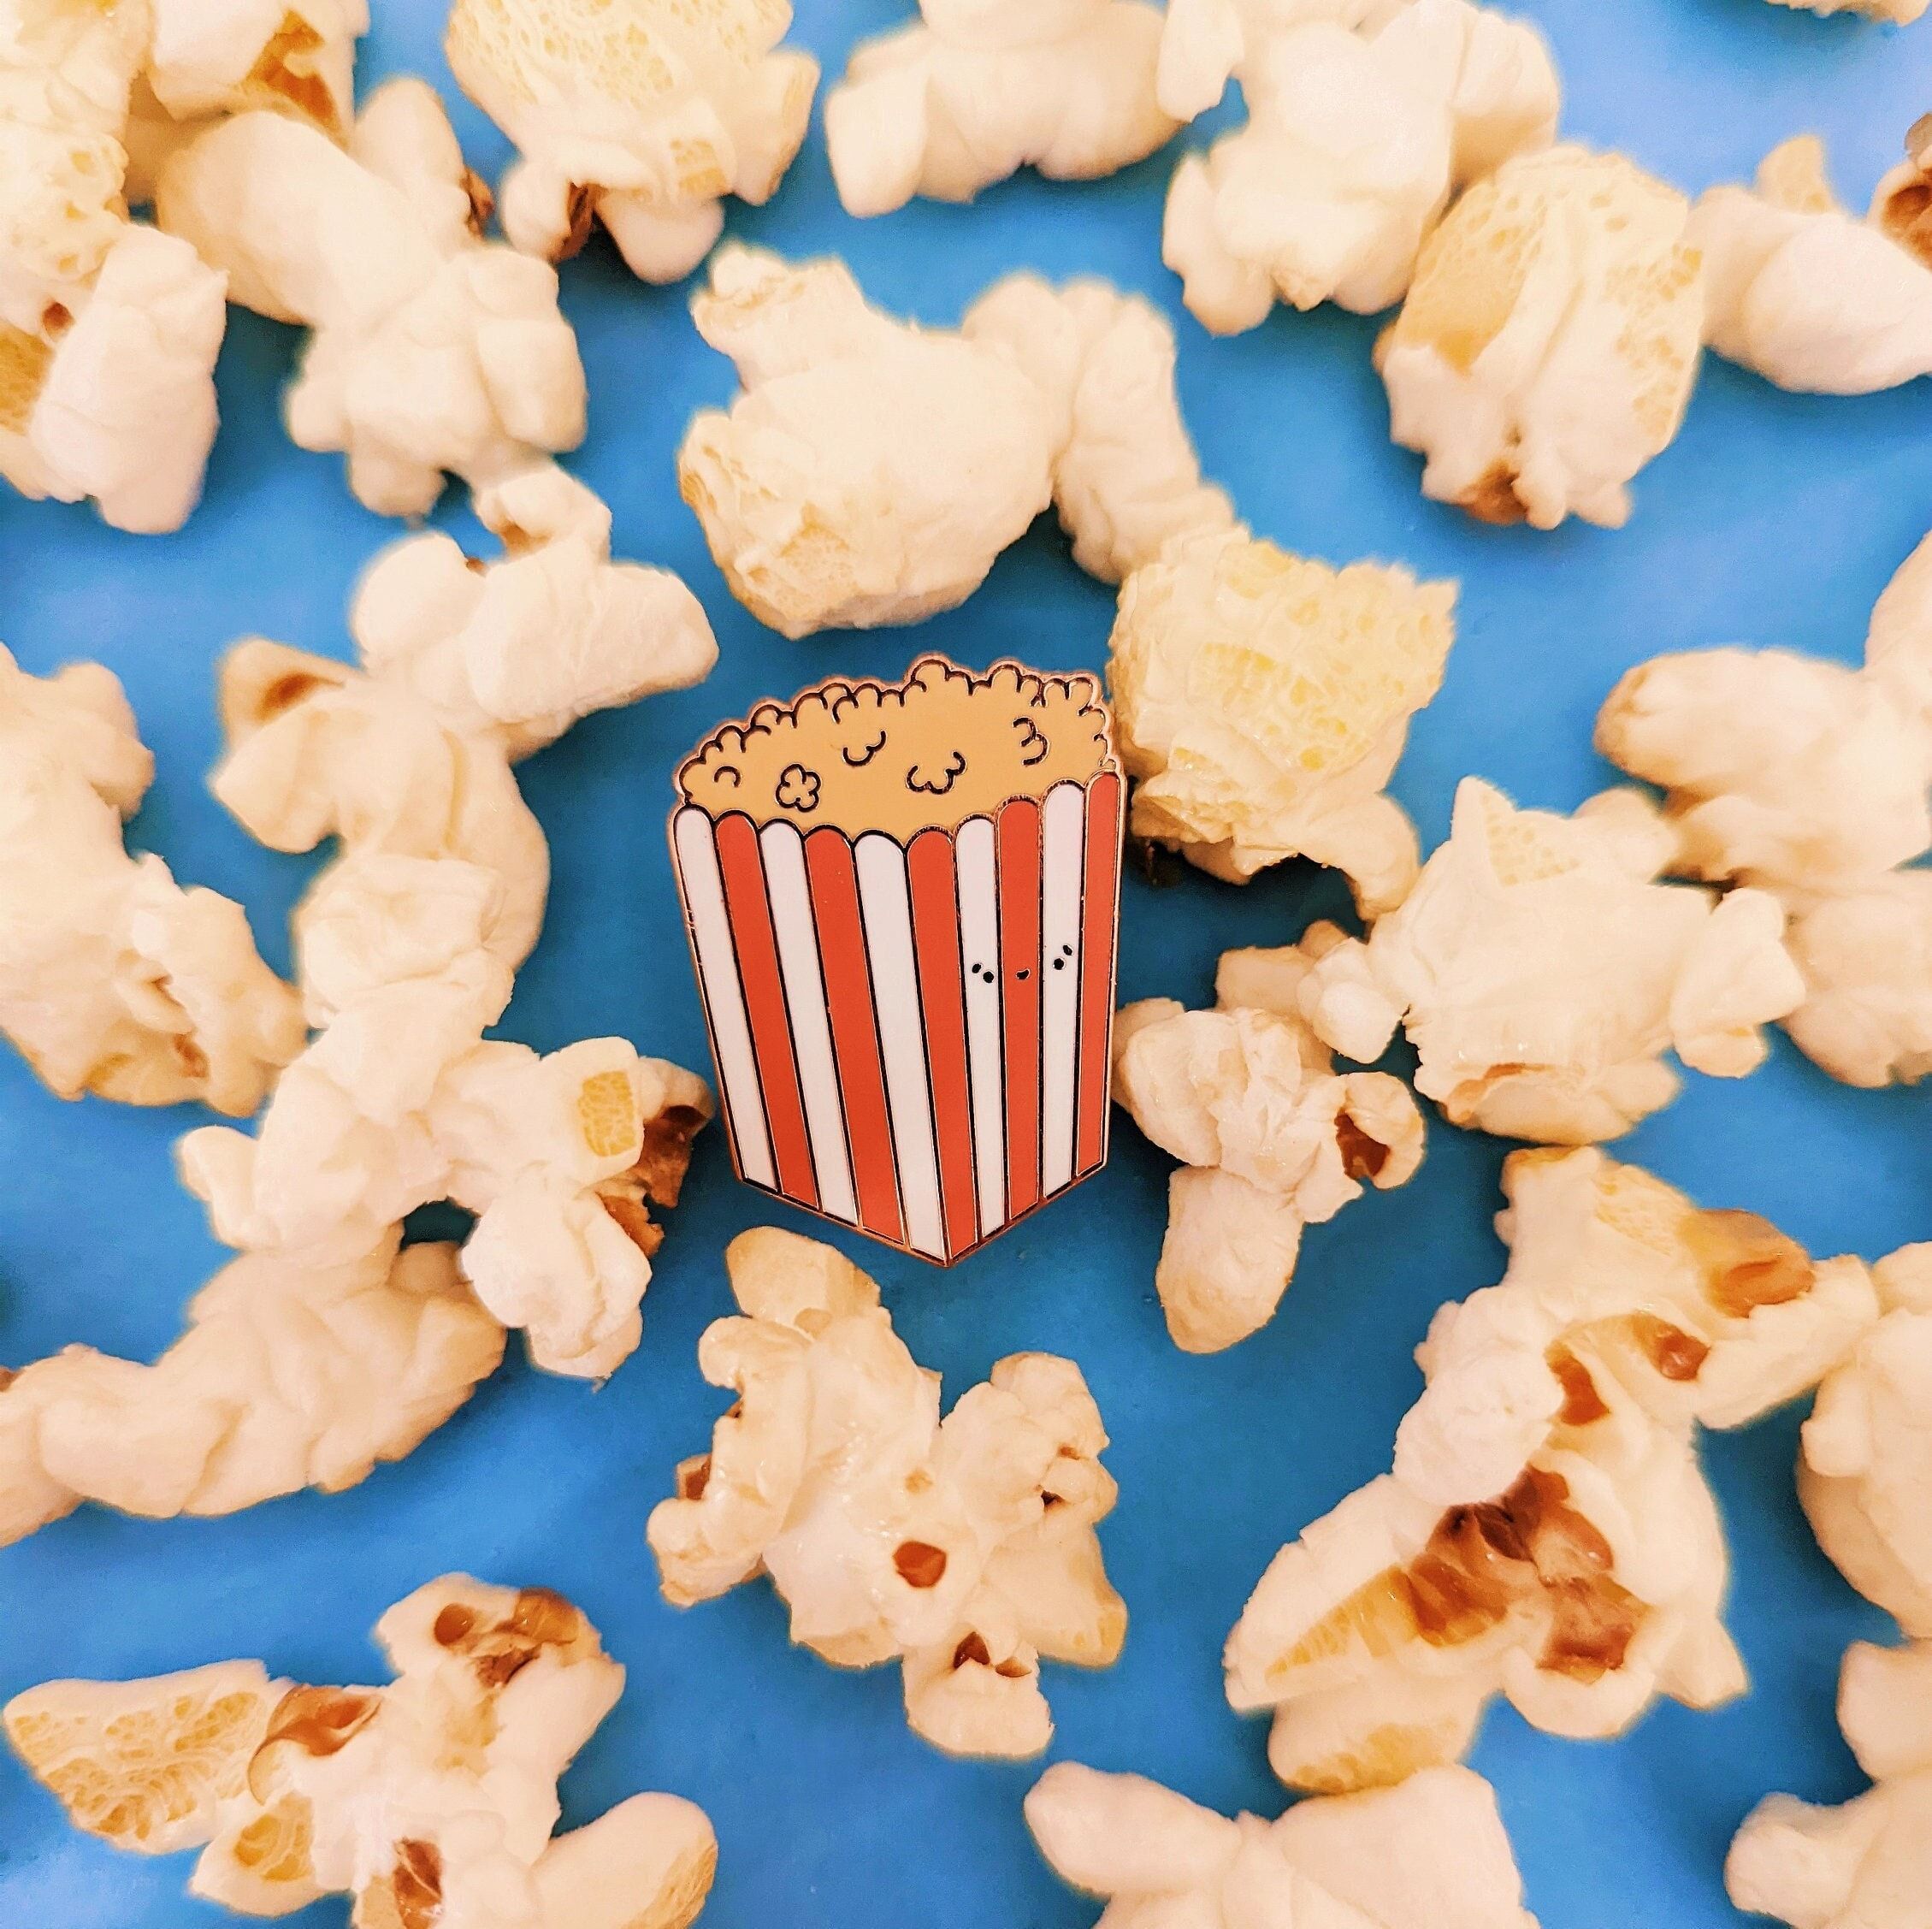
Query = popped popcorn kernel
x=643 y=115
x=1549 y=341
x=1546 y=1532
x=430 y=1801
x=964 y=1547
x=976 y=91
x=1263 y=701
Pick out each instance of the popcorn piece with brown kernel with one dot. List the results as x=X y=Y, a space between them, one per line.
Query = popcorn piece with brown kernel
x=296 y=57
x=965 y=1548
x=1263 y=702
x=1805 y=293
x=67 y=75
x=1546 y=1533
x=430 y=1801
x=1542 y=971
x=400 y=1101
x=1550 y=341
x=829 y=492
x=1270 y=1139
x=112 y=978
x=643 y=115
x=1861 y=1864
x=1429 y=1854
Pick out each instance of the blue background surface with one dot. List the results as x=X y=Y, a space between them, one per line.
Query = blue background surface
x=1773 y=518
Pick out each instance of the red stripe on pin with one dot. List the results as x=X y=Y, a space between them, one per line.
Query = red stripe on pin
x=750 y=911
x=833 y=877
x=1019 y=967
x=935 y=935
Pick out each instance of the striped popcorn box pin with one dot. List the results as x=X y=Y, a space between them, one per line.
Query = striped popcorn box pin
x=904 y=906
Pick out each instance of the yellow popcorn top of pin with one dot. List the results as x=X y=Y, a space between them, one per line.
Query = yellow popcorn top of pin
x=944 y=745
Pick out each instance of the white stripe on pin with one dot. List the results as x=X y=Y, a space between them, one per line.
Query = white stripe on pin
x=1063 y=874
x=885 y=898
x=974 y=851
x=790 y=896
x=725 y=998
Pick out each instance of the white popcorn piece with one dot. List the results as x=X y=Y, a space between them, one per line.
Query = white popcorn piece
x=431 y=350
x=289 y=1375
x=430 y=1801
x=1808 y=779
x=1263 y=702
x=979 y=89
x=1550 y=341
x=1808 y=295
x=966 y=1548
x=643 y=115
x=401 y=1102
x=112 y=978
x=296 y=57
x=1542 y=971
x=117 y=404
x=1355 y=144
x=1430 y=1854
x=108 y=332
x=1270 y=1139
x=1546 y=1533
x=872 y=472
x=1903 y=13
x=467 y=667
x=1205 y=44
x=66 y=77
x=1864 y=1472
x=1863 y=1865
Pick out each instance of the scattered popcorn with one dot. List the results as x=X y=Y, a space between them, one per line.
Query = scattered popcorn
x=1429 y=1854
x=832 y=492
x=642 y=114
x=1807 y=295
x=401 y=1102
x=982 y=88
x=1542 y=971
x=431 y=349
x=1546 y=1533
x=289 y=1375
x=965 y=1548
x=1808 y=780
x=1863 y=1865
x=430 y=1801
x=1355 y=144
x=1269 y=1139
x=1263 y=702
x=467 y=668
x=112 y=978
x=1865 y=1471
x=1550 y=341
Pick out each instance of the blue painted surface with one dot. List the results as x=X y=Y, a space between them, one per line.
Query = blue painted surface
x=1772 y=519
